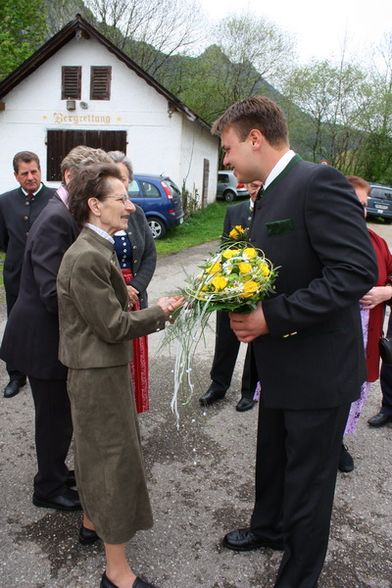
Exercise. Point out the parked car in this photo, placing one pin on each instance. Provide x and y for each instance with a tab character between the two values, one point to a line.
229	188
161	201
380	202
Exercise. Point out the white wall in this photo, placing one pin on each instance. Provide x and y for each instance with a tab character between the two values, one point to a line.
156	142
198	144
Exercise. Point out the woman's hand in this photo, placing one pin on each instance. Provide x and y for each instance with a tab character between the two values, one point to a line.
376	295
133	296
169	304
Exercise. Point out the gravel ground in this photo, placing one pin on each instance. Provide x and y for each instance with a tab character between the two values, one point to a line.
201	481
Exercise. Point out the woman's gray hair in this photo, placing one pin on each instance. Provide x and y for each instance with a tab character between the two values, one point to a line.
120	157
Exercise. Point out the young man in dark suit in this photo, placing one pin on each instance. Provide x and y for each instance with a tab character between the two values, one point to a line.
226	343
19	208
306	338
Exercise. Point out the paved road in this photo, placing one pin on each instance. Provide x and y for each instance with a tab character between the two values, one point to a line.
201	483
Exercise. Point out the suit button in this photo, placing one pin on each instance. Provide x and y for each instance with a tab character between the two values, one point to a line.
25	218
27	203
135	260
134	247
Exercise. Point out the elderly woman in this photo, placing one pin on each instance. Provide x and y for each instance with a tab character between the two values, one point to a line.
136	253
95	327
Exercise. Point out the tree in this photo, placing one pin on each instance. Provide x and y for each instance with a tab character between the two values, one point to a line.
333	98
257	51
22	30
150	31
375	158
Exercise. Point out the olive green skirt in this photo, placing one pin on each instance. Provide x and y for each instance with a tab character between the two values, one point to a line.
108	458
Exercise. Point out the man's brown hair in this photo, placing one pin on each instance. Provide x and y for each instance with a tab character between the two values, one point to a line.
256	112
26	157
358	182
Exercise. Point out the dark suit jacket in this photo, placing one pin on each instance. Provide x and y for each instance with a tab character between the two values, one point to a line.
239	214
310	223
144	253
17	214
31	337
95	323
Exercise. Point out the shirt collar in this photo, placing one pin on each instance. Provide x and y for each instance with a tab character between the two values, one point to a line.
33	193
100	232
62	193
279	167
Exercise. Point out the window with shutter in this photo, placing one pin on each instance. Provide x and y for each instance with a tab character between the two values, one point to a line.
100	82
71	82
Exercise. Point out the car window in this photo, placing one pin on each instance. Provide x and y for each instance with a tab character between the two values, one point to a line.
150	191
223	179
133	190
175	189
381	193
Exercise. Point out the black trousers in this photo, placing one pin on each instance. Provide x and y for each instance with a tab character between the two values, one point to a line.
13	373
225	357
53	434
296	468
386	379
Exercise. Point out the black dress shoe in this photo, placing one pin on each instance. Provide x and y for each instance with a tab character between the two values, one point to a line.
138	583
13	387
246	540
346	462
87	536
71	480
380	419
212	395
69	500
244	404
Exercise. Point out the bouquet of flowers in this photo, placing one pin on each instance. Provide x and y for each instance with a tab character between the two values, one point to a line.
235	278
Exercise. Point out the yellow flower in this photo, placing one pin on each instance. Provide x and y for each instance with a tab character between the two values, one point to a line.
229	253
237	231
250	253
244	267
219	283
265	270
249	289
214	269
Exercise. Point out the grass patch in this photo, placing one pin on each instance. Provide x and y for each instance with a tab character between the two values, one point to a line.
204	225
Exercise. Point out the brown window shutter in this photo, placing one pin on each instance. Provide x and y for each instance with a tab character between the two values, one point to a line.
71	82
100	82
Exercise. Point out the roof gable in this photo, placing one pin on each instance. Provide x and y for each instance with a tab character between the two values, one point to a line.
79	27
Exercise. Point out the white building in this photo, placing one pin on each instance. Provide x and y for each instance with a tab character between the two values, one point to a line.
78	88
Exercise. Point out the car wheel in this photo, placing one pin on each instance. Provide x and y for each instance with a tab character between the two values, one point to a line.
157	228
229	196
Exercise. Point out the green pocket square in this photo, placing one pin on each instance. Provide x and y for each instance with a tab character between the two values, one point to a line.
280	227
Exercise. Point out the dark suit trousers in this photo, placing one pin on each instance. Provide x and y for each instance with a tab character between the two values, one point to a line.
296	467
225	356
53	434
386	379
13	373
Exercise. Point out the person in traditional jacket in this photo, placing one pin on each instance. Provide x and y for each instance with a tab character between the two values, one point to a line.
19	208
372	316
137	256
95	329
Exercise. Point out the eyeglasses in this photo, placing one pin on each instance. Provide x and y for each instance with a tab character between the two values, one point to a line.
124	199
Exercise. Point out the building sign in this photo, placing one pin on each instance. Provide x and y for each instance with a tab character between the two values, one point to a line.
75	119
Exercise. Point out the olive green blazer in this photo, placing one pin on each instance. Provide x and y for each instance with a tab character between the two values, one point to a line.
95	324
